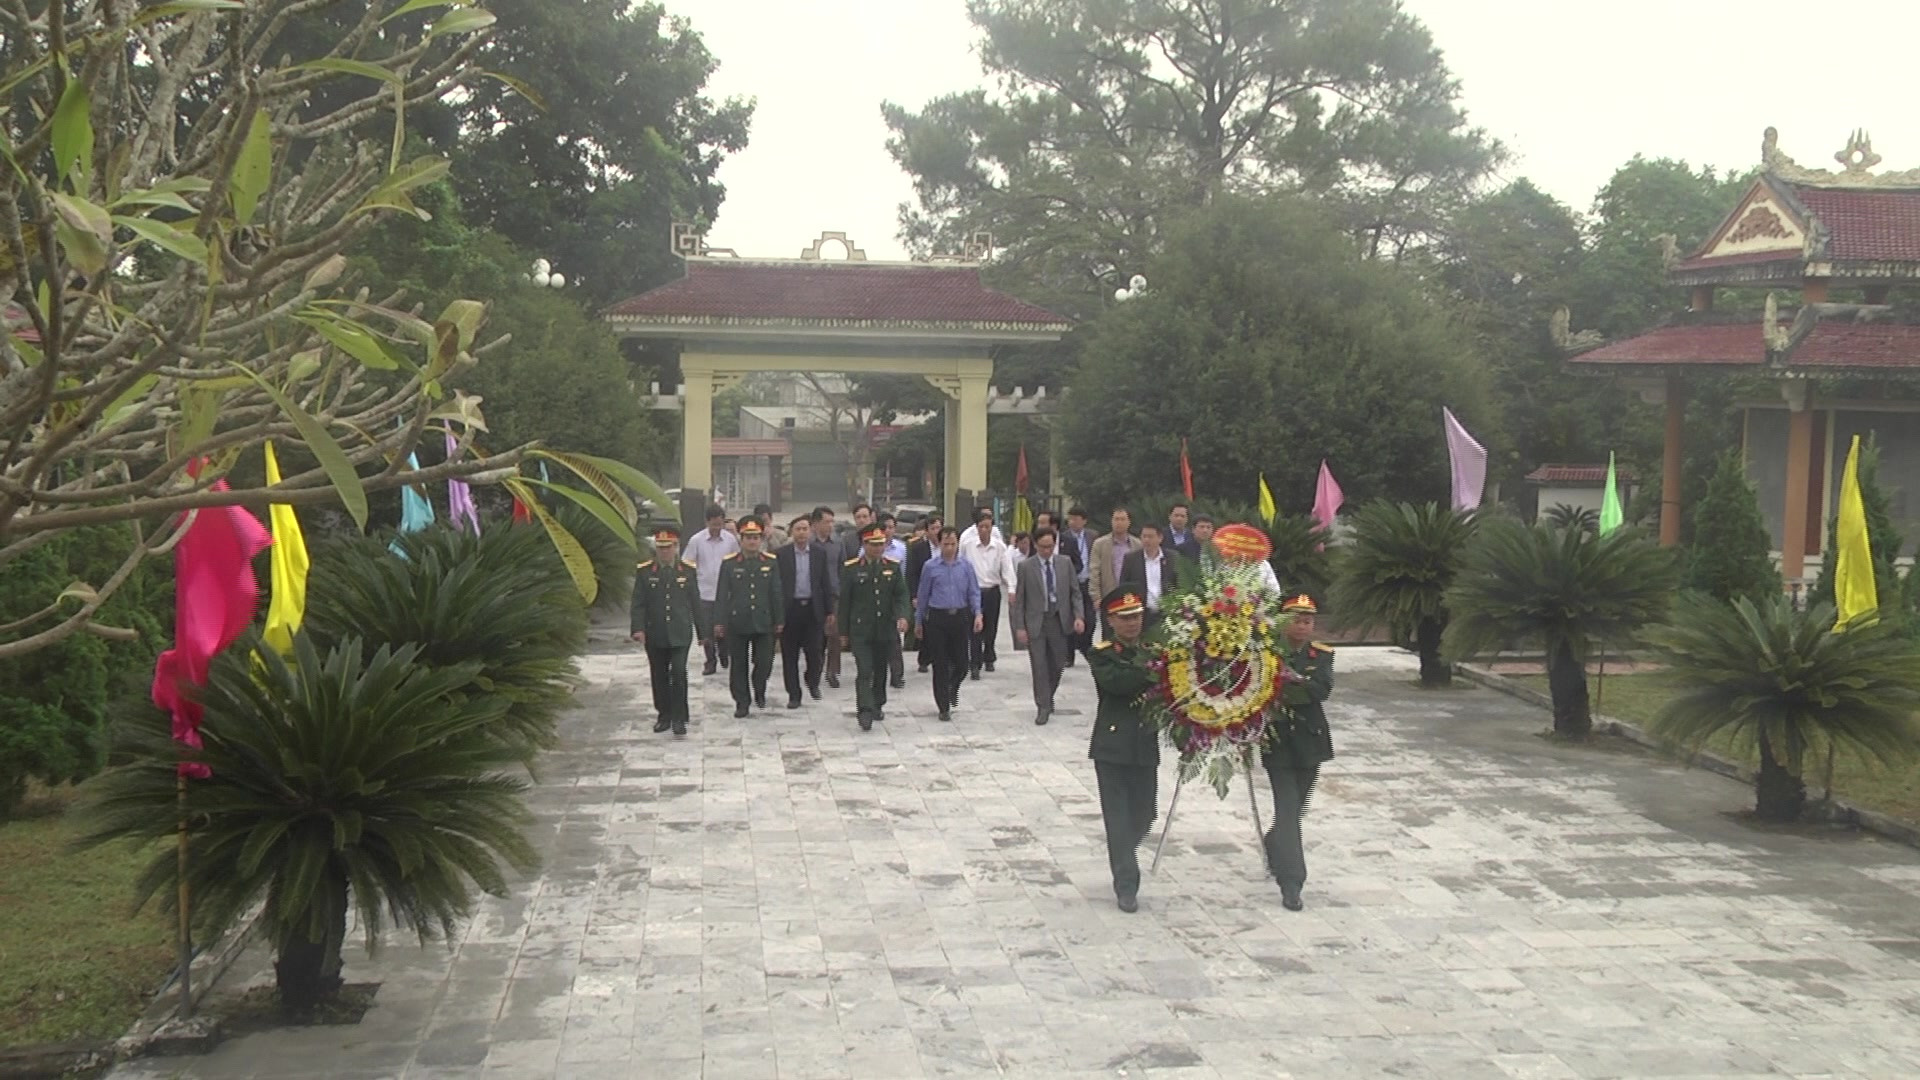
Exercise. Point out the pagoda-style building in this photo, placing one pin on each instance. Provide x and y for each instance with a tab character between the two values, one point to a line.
1847	242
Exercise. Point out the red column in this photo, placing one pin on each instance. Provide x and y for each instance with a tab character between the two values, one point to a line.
1670	480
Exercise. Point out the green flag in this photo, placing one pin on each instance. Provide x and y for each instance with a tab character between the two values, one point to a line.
1610	514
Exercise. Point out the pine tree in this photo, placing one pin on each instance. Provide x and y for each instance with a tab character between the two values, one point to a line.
1882	538
1731	554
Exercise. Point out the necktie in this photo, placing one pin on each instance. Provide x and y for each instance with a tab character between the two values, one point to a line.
1046	571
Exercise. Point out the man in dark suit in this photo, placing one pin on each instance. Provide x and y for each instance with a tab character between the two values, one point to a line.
806	580
919	551
1151	570
1199	538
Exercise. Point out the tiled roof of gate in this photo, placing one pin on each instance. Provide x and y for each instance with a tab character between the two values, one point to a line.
720	290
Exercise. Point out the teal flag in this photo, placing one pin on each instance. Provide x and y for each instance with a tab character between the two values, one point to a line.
1610	513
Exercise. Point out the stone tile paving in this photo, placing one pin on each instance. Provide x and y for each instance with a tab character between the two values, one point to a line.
784	897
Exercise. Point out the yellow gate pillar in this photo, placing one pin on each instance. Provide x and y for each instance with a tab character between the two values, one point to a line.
696	431
971	449
950	465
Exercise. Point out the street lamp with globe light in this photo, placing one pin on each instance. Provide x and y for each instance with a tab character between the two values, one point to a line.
545	276
1135	286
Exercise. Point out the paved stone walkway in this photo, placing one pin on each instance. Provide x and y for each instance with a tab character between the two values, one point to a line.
784	897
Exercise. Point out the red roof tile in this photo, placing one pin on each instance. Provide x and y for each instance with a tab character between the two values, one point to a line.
1714	343
725	289
1577	474
1869	226
1867	345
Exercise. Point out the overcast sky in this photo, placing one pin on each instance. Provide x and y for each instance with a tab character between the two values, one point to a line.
1574	89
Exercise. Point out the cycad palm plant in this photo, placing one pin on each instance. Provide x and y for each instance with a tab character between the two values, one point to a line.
1569	590
501	601
1781	683
335	782
1566	516
1393	572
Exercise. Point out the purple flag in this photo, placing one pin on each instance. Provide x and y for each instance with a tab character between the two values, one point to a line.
1469	463
460	496
1327	497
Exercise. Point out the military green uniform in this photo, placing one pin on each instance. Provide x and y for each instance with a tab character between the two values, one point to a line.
873	599
666	608
1126	756
1298	743
747	604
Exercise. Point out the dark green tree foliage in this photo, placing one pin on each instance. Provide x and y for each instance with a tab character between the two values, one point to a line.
56	703
1882	538
560	378
1645	206
1270	344
1113	115
624	141
1777	680
1567	590
1731	554
339	780
501	600
1562	516
1395	572
1514	257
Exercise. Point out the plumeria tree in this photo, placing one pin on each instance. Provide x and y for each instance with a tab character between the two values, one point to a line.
182	180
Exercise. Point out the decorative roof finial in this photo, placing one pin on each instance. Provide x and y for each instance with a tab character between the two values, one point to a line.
1857	160
1857	157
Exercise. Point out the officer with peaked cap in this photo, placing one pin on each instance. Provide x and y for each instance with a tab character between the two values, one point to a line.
747	616
1126	746
1299	743
873	615
667	620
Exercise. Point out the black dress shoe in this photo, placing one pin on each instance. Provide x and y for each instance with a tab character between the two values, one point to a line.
975	675
760	699
898	684
793	701
1129	904
708	670
866	721
924	668
679	727
739	712
814	691
1290	899
1040	718
661	724
946	716
833	681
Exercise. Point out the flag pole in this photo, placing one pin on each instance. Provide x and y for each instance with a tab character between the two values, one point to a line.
1180	780
185	931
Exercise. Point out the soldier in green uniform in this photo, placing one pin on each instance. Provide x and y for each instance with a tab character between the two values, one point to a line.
746	616
873	615
667	621
1299	742
1126	745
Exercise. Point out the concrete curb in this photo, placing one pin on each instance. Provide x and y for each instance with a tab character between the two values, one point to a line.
1839	811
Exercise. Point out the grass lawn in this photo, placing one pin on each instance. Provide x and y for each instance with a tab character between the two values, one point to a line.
75	963
1636	698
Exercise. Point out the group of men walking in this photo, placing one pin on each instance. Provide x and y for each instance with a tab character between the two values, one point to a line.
817	595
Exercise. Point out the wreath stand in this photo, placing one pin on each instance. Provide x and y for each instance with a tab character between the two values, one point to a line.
1253	802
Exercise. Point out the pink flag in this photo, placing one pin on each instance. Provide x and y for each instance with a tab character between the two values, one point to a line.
1469	464
214	596
1327	497
460	496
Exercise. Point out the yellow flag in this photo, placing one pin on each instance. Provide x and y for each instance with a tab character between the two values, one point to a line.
1267	508
289	568
1853	587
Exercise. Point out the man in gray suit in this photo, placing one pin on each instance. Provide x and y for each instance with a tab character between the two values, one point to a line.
1047	615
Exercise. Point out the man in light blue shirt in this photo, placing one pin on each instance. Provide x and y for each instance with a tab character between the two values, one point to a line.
896	551
948	615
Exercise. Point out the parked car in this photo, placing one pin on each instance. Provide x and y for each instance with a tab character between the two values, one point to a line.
906	514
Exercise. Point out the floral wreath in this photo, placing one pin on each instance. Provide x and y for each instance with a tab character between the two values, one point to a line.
1218	660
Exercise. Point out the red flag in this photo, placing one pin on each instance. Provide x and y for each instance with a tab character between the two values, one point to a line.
1186	471
521	515
214	599
1020	474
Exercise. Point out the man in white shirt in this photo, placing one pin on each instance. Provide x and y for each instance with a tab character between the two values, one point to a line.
992	563
896	550
705	551
1152	569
